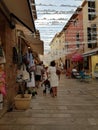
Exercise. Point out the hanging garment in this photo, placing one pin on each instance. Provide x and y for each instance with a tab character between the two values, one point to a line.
1	52
32	82
31	66
19	58
15	56
25	59
31	60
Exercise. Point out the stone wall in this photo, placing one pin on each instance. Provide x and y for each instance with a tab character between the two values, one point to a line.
8	39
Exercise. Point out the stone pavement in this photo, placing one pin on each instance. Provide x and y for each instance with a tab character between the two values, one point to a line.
75	108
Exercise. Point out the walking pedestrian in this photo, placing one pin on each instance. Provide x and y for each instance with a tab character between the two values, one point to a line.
31	70
38	74
54	81
45	82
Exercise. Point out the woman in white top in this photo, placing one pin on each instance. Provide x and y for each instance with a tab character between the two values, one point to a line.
53	78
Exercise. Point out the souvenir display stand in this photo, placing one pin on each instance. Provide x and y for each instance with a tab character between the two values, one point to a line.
2	86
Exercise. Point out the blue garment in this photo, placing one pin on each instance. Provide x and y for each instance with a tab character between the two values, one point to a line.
30	59
82	74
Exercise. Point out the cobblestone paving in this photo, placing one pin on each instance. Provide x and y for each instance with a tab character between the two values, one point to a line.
75	108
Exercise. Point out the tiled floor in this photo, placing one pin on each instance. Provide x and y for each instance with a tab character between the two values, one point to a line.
75	108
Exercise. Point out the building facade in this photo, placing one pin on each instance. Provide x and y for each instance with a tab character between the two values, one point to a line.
11	39
90	28
74	37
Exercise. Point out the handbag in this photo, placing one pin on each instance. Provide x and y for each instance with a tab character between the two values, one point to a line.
19	76
32	68
58	72
25	74
22	75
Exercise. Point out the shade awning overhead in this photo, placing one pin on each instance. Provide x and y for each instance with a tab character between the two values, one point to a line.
77	58
36	45
90	53
21	11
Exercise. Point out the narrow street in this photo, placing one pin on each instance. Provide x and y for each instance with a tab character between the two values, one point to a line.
75	108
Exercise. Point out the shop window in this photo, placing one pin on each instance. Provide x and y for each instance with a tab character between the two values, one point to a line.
86	62
77	40
68	63
92	35
91	10
75	22
89	37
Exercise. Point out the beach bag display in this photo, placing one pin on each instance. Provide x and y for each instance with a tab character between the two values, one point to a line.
19	76
25	74
22	74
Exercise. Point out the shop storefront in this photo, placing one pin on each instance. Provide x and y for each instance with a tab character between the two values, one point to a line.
94	60
90	60
11	45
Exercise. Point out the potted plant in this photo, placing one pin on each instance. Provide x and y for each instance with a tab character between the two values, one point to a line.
22	100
